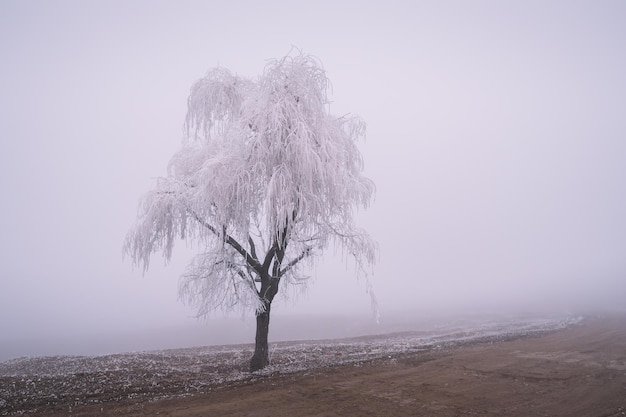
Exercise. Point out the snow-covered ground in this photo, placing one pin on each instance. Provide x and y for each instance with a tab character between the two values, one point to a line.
28	384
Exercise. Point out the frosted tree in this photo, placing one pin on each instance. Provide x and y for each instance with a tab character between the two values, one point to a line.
265	181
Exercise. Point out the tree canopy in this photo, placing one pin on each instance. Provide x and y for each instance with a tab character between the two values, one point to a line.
266	179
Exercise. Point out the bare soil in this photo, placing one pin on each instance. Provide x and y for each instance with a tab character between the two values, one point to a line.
576	371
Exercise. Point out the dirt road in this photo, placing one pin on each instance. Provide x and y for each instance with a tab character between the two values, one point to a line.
579	371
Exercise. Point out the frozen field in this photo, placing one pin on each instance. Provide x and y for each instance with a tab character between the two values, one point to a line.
50	383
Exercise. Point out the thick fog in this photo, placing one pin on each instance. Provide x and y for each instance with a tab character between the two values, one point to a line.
496	139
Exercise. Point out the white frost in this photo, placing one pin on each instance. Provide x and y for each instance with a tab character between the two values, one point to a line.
266	178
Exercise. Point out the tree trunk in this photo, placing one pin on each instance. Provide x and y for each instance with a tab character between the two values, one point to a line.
260	359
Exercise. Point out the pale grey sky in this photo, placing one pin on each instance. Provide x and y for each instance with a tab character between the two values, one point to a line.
496	138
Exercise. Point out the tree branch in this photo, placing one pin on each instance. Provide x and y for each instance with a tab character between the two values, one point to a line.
294	262
269	256
252	247
247	279
237	269
251	260
279	247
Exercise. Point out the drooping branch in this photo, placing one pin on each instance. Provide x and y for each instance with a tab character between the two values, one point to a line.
212	283
247	279
251	260
294	262
236	268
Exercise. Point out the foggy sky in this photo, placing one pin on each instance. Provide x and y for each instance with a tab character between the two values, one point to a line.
496	139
